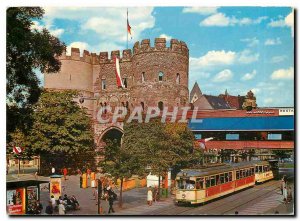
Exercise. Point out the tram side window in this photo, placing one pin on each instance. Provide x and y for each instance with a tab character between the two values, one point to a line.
213	180
247	172
218	179
260	169
237	175
243	171
226	177
222	178
252	171
266	168
230	176
256	169
207	182
199	183
241	174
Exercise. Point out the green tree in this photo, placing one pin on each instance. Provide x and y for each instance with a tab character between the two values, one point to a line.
118	163
61	132
27	51
160	146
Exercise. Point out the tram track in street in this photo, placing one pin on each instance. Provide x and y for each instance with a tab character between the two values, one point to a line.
224	204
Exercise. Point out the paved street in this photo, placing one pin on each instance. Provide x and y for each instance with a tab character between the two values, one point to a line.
261	199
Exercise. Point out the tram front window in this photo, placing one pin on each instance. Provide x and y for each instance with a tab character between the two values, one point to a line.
186	184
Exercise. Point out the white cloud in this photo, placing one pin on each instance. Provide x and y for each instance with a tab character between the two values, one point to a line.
221	20
273	41
167	37
39	27
109	23
36	26
251	41
213	58
255	91
78	44
249	76
218	19
224	75
246	56
200	10
268	101
283	74
288	21
277	59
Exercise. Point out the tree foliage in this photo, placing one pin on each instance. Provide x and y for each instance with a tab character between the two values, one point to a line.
160	146
61	132
28	51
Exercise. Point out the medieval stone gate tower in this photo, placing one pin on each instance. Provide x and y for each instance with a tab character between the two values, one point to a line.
153	76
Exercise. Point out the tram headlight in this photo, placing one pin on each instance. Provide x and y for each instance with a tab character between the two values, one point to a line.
183	195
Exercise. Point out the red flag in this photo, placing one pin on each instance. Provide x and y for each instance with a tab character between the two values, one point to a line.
17	150
118	73
202	142
128	27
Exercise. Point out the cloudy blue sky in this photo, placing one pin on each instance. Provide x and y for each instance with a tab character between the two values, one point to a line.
233	48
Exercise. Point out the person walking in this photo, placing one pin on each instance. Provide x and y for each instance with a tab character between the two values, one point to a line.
53	201
289	195
149	197
39	207
61	209
155	194
111	203
49	208
282	185
285	193
65	172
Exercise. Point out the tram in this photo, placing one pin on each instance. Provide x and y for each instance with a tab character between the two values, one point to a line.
206	183
263	171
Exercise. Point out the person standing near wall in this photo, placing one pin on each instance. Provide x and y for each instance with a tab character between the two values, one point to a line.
149	197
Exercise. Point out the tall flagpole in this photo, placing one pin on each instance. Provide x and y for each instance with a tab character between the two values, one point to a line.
127	30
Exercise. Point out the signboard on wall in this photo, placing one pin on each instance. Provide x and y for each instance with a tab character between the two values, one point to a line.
286	111
15	201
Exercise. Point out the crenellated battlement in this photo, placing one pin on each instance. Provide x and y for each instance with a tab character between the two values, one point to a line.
139	47
160	45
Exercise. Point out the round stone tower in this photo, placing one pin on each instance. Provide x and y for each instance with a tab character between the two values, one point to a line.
160	74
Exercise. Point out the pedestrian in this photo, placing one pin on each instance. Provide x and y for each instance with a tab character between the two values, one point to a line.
285	193
289	195
155	193
53	201
111	203
149	197
49	208
79	172
80	181
282	185
88	171
61	209
65	172
38	207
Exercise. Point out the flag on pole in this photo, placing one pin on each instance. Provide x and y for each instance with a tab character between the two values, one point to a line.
118	73
128	27
17	150
202	142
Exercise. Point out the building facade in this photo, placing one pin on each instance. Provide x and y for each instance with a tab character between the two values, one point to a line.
152	76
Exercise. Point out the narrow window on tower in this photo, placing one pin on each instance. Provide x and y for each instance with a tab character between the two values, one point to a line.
160	105
143	105
177	78
160	76
125	82
103	84
143	77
